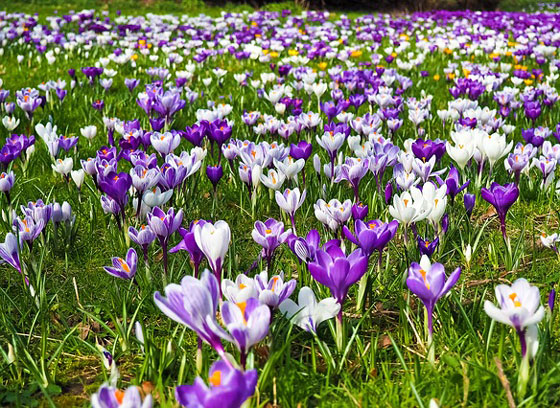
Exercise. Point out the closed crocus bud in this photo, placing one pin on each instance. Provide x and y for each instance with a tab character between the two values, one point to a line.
78	177
388	192
551	300
256	172
214	174
56	213
445	223
66	211
280	108
467	252
469	200
317	163
89	132
359	211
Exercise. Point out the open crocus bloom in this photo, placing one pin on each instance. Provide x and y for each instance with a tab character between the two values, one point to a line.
124	268
229	387
110	397
429	283
519	305
308	313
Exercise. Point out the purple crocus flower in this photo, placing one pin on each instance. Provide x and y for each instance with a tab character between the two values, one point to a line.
353	170
110	397
301	151
425	149
214	174
28	228
7	181
502	198
426	247
194	303
429	283
9	252
98	104
551	300
274	291
164	225
305	248
371	236
229	387
116	186
189	244
453	183
469	201
337	271
143	237
131	83
247	322
124	268
269	234
359	211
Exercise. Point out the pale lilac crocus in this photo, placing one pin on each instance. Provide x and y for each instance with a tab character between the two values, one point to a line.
194	303
519	307
123	268
269	234
247	322
289	202
111	397
274	291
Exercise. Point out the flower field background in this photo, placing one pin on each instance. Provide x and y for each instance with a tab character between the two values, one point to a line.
207	206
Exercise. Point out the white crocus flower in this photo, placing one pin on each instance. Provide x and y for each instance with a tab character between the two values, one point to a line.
63	167
10	123
308	313
437	199
89	132
273	180
410	207
494	147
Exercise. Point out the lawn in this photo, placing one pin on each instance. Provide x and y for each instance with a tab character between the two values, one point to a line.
417	114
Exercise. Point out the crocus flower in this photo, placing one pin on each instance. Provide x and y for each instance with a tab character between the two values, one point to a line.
123	268
213	240
308	313
7	182
269	234
305	248
111	397
502	198
116	186
290	201
551	300
274	291
194	303
143	237
247	322
9	251
519	307
241	290
214	174
429	283
164	225
371	236
165	143
189	244
337	271
410	207
359	211
229	387
469	201
426	247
